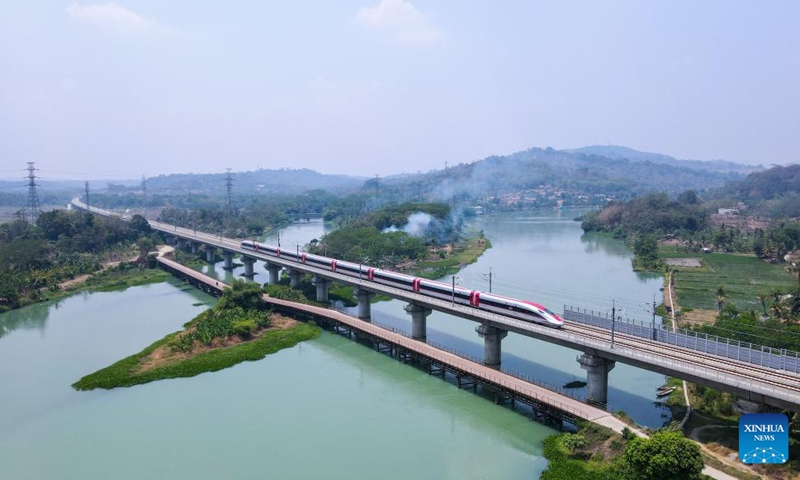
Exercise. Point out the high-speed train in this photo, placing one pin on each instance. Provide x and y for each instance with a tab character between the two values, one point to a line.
511	307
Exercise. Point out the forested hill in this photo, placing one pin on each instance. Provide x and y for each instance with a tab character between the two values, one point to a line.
620	152
774	192
568	170
282	181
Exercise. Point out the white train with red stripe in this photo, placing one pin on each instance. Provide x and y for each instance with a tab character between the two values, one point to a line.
511	307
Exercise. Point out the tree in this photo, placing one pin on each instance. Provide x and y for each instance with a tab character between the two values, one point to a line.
140	224
720	297
665	456
762	297
145	246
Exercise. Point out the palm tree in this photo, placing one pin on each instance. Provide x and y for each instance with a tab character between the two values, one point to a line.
776	294
779	310
720	297
762	297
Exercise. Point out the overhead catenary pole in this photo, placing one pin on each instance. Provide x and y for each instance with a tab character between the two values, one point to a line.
613	320
654	317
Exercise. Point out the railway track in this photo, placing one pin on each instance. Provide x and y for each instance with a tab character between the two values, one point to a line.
777	378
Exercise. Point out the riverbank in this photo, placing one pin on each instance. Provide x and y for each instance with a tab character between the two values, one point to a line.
451	259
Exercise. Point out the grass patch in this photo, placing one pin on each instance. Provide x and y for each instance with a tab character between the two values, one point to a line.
124	372
744	276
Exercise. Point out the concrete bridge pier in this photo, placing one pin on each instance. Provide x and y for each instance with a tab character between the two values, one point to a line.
211	253
492	338
181	243
744	405
597	369
364	306
228	256
274	272
295	276
322	285
248	266
419	317
195	247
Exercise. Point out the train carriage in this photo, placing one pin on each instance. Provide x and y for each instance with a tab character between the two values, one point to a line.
520	309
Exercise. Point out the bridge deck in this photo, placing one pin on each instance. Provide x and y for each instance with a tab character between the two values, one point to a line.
485	374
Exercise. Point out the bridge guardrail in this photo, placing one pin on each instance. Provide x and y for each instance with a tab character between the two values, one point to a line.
779	359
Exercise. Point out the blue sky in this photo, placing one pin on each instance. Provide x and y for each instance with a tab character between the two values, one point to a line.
388	86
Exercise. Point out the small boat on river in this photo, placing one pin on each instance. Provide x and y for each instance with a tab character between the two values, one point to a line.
664	391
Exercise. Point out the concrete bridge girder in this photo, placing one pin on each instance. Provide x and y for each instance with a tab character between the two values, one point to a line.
364	303
419	317
597	369
492	338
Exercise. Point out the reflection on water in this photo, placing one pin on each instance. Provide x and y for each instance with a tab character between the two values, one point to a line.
601	244
30	317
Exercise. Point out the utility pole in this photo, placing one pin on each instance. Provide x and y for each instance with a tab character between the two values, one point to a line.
454	289
377	185
144	190
33	198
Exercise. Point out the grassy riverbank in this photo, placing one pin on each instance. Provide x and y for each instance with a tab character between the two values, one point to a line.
119	277
462	254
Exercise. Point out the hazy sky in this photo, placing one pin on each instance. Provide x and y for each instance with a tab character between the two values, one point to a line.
386	86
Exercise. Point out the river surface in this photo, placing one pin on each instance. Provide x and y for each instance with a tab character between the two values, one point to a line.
327	408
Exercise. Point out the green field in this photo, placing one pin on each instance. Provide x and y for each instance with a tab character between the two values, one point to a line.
744	277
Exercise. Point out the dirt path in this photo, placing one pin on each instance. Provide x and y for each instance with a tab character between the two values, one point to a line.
72	282
695	435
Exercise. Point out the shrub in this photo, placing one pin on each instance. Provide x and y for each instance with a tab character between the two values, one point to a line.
244	328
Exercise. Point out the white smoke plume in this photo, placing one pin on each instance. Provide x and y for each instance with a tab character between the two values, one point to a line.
416	226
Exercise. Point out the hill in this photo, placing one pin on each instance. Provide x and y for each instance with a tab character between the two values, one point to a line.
774	192
546	174
282	181
620	152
